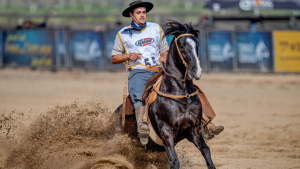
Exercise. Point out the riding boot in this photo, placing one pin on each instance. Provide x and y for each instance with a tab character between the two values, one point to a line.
213	129
142	127
210	130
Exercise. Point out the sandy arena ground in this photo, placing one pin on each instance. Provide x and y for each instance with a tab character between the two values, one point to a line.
260	112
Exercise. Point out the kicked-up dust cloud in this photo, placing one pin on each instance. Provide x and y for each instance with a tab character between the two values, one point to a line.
81	135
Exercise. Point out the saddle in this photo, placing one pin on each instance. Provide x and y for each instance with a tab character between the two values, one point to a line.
154	80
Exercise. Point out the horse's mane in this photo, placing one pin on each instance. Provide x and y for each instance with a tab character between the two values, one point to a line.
176	28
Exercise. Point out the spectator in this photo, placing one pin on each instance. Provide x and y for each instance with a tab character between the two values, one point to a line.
30	25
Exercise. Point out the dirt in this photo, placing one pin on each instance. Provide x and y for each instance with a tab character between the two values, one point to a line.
61	120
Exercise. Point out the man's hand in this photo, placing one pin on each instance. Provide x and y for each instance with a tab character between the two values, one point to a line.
116	59
134	56
163	57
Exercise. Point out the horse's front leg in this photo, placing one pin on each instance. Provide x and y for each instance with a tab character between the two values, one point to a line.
168	139
196	137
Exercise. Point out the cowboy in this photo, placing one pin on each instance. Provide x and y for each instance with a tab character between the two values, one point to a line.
145	47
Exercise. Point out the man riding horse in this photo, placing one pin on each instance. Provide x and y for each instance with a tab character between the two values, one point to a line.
145	47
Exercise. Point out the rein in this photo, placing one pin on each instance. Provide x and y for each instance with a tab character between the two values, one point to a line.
174	96
178	79
183	61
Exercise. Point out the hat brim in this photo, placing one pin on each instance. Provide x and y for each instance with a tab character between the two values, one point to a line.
147	5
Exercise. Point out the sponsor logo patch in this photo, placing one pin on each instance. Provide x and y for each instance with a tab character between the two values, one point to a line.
144	42
251	4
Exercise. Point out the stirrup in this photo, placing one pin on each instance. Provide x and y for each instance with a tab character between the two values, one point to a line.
144	132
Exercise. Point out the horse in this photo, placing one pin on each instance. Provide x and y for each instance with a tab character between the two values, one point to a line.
175	119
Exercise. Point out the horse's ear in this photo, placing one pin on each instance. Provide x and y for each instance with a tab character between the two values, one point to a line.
193	31
196	33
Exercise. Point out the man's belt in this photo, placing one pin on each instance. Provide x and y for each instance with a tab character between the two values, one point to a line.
156	69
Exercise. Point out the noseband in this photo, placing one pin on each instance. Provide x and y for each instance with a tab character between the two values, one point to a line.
183	61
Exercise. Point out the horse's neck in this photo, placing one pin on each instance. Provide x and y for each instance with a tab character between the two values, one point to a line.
171	67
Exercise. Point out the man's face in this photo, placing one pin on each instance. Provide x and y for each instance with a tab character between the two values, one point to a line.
140	14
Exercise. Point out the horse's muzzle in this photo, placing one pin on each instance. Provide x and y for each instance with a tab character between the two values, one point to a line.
194	76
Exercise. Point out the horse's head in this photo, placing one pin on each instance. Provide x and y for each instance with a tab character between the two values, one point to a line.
187	46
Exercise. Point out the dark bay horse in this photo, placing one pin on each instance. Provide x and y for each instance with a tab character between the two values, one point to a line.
175	119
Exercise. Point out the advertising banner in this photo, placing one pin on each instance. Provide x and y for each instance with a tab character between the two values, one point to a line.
1	51
287	51
86	49
110	37
254	51
220	50
248	5
29	48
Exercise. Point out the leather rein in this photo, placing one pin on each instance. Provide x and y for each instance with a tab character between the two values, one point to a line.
178	79
183	61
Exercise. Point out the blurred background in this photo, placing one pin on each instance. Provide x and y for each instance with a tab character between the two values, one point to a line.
249	51
236	35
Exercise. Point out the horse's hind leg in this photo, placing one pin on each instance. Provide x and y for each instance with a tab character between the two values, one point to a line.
168	139
196	137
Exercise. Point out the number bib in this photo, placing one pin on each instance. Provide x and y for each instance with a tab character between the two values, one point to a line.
145	42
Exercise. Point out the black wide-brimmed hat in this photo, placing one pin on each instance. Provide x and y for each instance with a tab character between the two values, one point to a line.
136	4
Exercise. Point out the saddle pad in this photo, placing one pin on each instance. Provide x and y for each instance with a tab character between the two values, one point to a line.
151	81
129	109
153	94
206	107
153	135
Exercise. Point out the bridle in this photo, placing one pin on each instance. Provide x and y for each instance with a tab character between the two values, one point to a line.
183	61
178	79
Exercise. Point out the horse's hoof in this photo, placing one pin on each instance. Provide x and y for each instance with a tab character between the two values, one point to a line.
144	140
